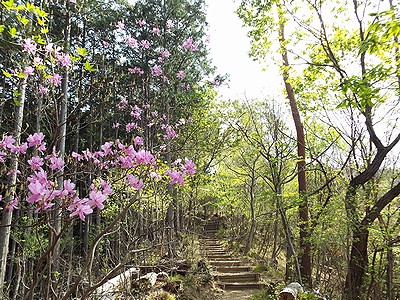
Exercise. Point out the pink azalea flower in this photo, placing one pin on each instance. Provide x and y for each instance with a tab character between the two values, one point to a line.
189	167
21	149
165	79
136	70
107	148
43	90
3	154
120	25
38	61
12	205
170	24
49	47
144	157
134	182
77	156
69	187
130	126
125	162
154	114
156	30
181	74
107	190
7	142
55	79
81	210
155	176
138	141
35	163
141	22
170	132
176	177
96	199
29	70
64	60
37	189
56	163
156	71
145	44
131	41
13	172
165	53
188	43
35	140
29	46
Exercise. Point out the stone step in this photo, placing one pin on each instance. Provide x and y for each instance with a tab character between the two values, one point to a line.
218	255
238	277
210	242
217	243
233	269
213	247
225	262
240	285
221	253
228	258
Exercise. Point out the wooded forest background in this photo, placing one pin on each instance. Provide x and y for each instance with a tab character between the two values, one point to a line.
106	106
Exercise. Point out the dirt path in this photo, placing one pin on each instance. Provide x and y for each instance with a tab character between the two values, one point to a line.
237	295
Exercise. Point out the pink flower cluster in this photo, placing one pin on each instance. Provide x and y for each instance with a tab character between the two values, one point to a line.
43	191
177	176
189	45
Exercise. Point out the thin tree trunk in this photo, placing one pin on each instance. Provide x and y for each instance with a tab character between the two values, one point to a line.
5	228
305	246
253	217
62	139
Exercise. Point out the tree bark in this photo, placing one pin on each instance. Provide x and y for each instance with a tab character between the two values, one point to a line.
305	246
5	228
62	134
253	216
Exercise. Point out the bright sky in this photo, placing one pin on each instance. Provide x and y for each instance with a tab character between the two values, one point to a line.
229	52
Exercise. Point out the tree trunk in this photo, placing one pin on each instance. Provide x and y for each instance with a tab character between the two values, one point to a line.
253	216
359	255
357	265
5	228
389	273
62	134
305	246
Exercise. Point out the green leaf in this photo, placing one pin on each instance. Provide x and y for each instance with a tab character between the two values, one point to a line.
39	40
21	75
82	51
13	32
23	20
6	73
44	30
41	13
30	7
41	21
17	102
9	4
89	67
2	27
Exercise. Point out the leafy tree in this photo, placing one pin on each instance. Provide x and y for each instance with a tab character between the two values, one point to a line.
344	73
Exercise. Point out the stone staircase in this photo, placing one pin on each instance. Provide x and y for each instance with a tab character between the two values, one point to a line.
229	273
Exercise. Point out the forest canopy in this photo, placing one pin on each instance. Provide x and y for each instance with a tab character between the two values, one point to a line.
115	150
